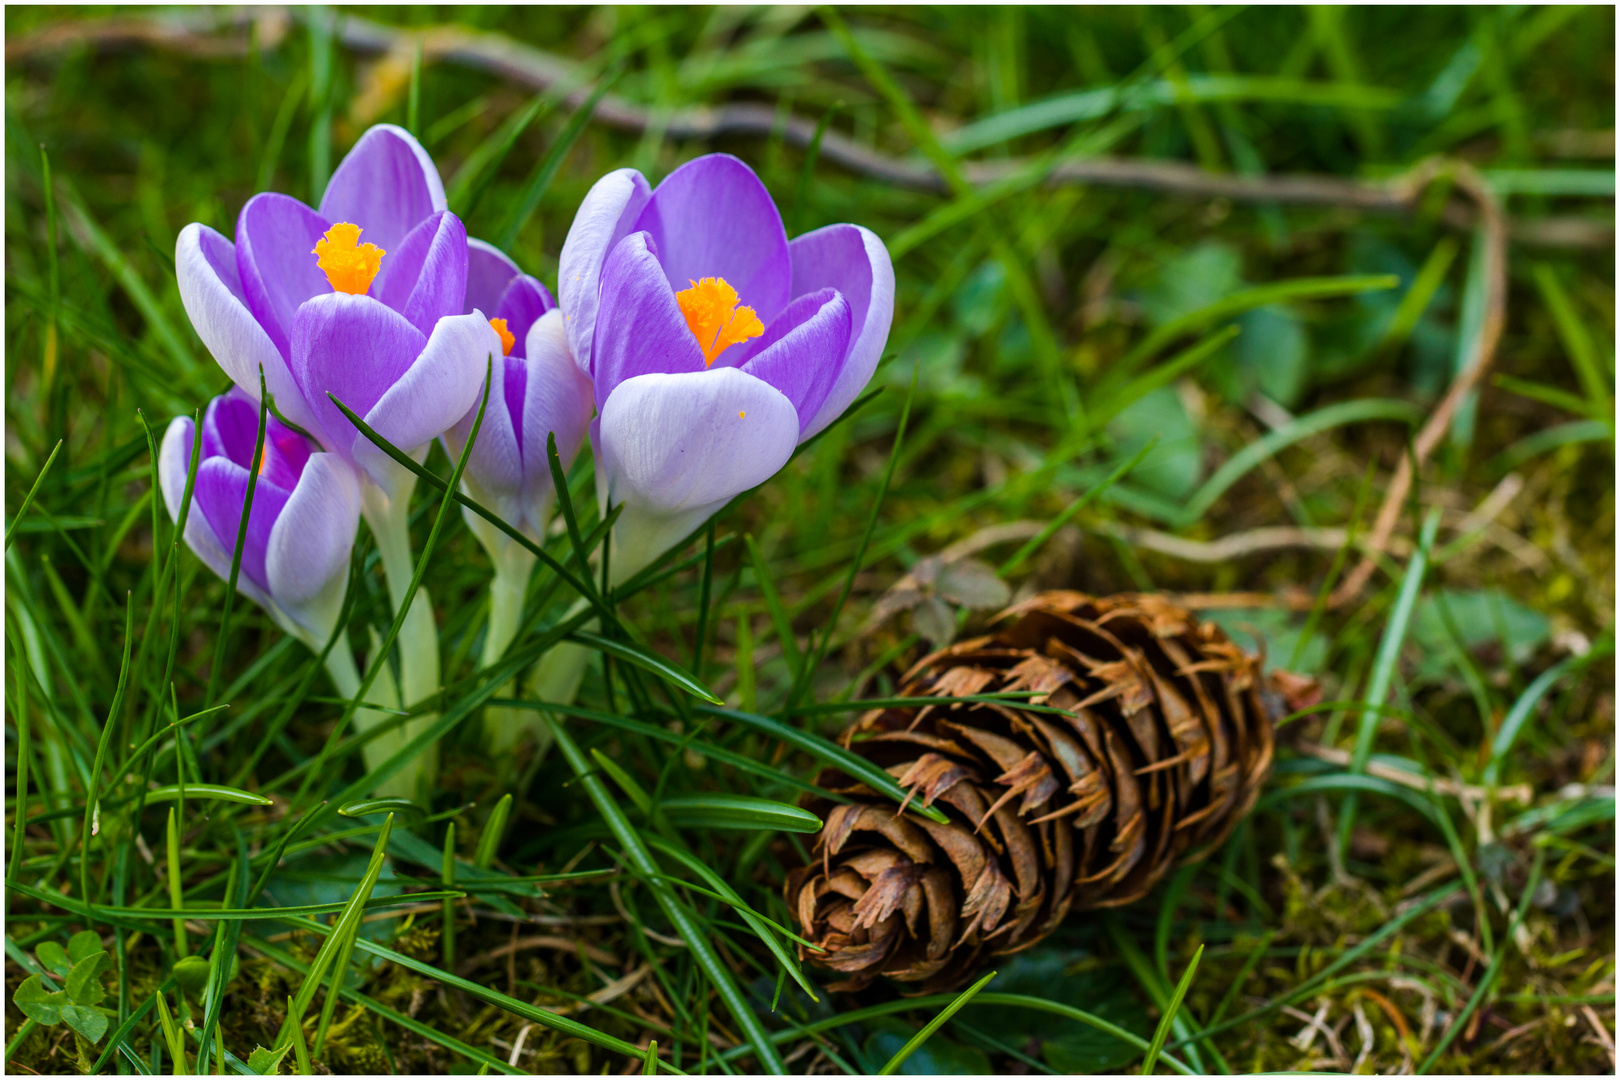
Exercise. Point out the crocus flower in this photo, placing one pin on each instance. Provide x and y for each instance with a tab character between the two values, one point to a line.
306	507
363	298
714	344
539	391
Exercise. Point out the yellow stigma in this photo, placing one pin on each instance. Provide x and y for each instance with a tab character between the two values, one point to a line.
712	314
508	339
349	264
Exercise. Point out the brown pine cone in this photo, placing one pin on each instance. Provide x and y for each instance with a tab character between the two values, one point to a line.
1147	739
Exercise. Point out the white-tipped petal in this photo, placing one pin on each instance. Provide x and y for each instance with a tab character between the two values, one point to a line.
676	448
603	220
211	292
307	560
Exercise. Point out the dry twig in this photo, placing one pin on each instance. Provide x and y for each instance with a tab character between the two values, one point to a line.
536	69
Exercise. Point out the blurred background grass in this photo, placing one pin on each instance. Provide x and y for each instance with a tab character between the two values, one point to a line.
1130	184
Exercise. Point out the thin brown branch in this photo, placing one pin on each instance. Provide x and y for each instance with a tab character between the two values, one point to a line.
1494	237
200	34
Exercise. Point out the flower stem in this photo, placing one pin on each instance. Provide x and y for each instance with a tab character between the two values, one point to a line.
388	515
504	727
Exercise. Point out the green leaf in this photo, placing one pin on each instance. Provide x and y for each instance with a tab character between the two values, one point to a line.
267	1062
86	1020
40	1004
82	944
738	812
54	957
84	981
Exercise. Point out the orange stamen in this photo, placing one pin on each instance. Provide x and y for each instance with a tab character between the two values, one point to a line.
349	264
715	319
508	339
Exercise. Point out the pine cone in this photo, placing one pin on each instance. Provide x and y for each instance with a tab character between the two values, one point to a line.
1155	736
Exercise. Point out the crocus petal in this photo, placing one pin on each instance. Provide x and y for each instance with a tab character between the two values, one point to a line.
524	301
425	278
675	448
855	262
386	185
602	221
354	347
494	473
275	241
215	302
220	491
231	427
307	555
438	388
174	459
556	399
802	353
713	218
489	272
640	328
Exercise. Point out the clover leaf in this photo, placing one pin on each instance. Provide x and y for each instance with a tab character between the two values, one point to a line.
38	1003
54	958
82	944
84	981
87	1020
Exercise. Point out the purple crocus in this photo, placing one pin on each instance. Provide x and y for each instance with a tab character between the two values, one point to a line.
363	298
306	508
714	344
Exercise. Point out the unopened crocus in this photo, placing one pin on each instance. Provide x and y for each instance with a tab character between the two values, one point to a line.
362	298
539	391
306	507
714	344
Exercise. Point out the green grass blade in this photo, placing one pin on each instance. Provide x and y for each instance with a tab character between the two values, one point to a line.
828	753
634	654
489	841
893	1064
714	811
1031	546
343	933
540	181
1303	427
1383	673
1163	1030
1514	721
1577	342
241	542
28	500
92	807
